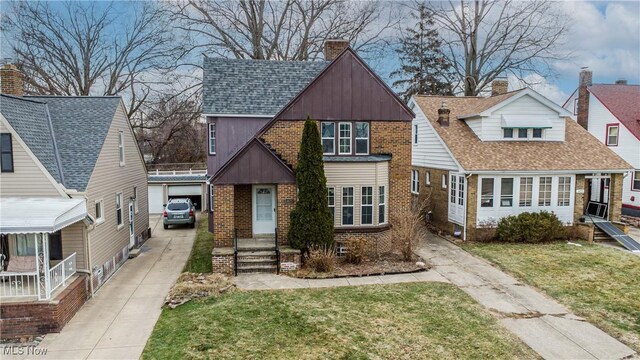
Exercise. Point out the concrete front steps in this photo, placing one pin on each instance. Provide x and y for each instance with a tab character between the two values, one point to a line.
257	259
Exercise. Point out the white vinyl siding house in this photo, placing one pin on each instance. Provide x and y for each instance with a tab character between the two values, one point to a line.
430	151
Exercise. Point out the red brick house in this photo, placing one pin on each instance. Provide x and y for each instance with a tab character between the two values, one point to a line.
255	110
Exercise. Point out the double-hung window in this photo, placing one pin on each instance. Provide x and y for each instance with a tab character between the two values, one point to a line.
506	192
347	206
99	211
612	135
486	194
636	181
121	147
564	191
526	191
6	147
331	201
381	205
212	139
328	132
415	184
544	191
366	206
362	138
344	147
119	210
135	199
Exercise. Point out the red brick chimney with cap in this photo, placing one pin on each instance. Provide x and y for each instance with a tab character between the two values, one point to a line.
499	86
11	82
443	115
585	80
333	48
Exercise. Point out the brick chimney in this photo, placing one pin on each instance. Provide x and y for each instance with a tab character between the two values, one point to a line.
585	80
333	48
499	86
443	115
11	82
621	82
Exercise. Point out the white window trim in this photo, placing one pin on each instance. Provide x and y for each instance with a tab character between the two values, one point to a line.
415	182
211	197
121	152
100	220
427	177
333	139
212	131
348	138
135	199
363	205
352	206
568	191
355	149
609	127
384	203
119	195
515	136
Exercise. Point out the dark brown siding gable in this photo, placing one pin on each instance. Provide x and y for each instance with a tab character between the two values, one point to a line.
347	90
255	164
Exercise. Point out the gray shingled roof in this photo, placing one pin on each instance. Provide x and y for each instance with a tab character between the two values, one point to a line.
29	119
254	87
80	125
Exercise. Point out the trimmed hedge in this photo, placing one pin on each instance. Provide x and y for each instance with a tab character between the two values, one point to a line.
530	227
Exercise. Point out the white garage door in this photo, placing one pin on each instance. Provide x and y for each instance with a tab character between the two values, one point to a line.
155	199
185	190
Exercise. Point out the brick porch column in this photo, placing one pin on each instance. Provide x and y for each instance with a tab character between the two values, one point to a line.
223	215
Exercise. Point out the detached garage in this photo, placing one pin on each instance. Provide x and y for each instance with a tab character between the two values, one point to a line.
168	185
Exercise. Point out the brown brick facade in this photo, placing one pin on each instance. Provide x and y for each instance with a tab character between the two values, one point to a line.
11	81
284	137
286	201
438	203
615	197
222	263
32	318
223	215
243	211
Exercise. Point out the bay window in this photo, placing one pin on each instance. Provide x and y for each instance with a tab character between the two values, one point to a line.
328	131
381	205
344	147
362	138
331	201
366	205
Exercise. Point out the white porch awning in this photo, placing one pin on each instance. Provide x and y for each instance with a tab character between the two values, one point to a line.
37	215
524	122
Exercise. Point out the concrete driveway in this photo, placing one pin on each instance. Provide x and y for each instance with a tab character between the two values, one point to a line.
118	320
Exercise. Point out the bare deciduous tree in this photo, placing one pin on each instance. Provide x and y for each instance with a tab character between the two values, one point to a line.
91	48
280	29
485	39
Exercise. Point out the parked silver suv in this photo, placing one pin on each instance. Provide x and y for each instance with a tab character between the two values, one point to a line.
178	212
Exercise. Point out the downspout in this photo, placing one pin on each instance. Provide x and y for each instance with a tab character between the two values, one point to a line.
88	259
466	206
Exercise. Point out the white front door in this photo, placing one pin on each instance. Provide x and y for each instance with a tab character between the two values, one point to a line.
456	198
264	209
132	239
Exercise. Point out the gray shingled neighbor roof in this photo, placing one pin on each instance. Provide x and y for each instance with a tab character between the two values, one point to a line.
80	125
254	87
29	119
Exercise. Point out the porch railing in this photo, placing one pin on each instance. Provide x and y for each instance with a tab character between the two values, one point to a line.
235	252
18	284
59	274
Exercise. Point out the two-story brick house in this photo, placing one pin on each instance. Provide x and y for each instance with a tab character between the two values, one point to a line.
255	111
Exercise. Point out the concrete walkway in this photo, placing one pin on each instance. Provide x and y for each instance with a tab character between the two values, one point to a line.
118	320
280	282
541	322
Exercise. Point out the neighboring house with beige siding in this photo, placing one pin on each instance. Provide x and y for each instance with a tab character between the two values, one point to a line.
484	158
73	197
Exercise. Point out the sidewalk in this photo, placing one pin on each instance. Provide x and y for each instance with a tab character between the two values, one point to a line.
542	323
118	320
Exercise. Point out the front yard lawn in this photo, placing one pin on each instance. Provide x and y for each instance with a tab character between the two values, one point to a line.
598	283
400	321
200	258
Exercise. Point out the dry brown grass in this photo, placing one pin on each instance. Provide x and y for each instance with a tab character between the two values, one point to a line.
193	285
321	259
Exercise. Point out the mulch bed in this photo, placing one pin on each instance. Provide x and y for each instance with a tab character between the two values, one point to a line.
393	264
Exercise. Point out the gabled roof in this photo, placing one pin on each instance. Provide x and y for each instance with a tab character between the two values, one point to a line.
623	101
64	132
30	120
580	151
253	87
493	103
